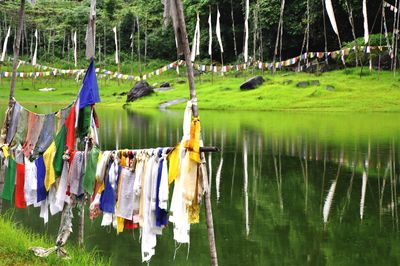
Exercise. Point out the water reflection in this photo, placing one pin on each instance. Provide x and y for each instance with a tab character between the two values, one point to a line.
286	188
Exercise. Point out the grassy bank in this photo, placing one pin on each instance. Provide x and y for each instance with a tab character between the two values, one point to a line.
340	90
15	242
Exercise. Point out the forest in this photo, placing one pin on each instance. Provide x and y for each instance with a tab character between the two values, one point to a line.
142	33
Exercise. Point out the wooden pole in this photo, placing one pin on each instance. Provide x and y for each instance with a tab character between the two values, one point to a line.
16	50
185	47
14	74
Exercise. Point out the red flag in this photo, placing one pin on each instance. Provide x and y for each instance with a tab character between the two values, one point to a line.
19	187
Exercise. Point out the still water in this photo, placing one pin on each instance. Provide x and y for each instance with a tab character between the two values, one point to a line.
276	179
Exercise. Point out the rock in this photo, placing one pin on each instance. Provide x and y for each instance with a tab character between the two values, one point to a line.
163	106
303	84
252	83
165	85
288	82
181	81
330	88
314	82
141	89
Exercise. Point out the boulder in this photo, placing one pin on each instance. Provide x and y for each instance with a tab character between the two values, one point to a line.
303	84
330	88
287	82
314	82
141	89
252	83
165	85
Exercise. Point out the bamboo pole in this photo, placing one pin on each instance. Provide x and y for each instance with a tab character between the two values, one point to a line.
185	45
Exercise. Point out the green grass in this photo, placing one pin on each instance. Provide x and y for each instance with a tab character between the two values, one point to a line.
15	242
375	91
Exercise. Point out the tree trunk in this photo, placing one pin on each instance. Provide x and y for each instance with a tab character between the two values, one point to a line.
138	48
233	30
16	49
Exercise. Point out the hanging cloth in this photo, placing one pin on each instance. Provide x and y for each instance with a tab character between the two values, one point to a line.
90	171
34	58
12	127
365	14
246	30
19	186
3	55
75	49
9	181
196	40
60	141
210	35
116	45
30	186
331	15
46	135
35	124
218	31
41	174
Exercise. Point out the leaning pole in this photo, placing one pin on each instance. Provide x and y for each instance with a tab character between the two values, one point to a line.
183	39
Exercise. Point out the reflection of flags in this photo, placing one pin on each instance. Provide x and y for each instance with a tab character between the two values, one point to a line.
331	15
116	45
209	35
366	30
246	30
5	45
218	32
35	53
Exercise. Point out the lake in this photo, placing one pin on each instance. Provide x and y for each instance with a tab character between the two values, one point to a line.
270	184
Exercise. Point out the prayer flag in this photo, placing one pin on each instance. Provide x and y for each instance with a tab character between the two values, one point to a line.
116	45
5	45
218	31
196	40
365	14
331	15
246	30
209	35
75	54
89	93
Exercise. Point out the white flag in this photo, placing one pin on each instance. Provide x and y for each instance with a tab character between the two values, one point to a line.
246	30
209	35
198	35
36	45
366	31
218	32
196	40
116	45
75	49
331	15
5	45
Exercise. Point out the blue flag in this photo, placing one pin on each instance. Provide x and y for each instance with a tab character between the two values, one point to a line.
89	93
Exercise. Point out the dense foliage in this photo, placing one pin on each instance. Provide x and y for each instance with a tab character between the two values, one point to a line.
56	20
